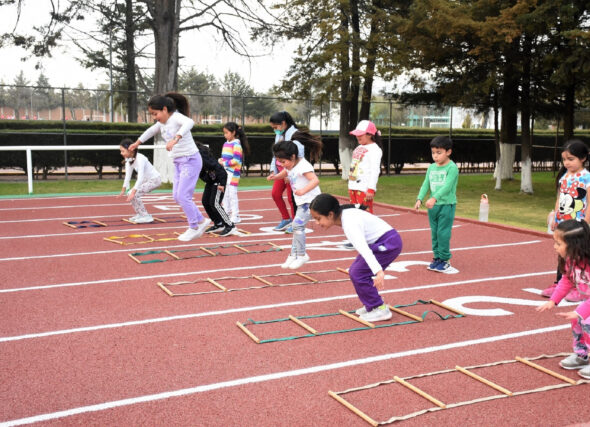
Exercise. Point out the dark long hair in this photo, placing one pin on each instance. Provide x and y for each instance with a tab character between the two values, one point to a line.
576	148
576	236
173	101
312	143
240	134
282	116
126	143
325	203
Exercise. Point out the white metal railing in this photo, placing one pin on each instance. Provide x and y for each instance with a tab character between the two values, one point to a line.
30	148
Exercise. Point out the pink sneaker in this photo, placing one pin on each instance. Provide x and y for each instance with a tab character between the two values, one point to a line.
547	292
574	296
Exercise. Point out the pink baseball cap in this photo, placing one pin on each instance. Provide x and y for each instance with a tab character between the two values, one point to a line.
364	126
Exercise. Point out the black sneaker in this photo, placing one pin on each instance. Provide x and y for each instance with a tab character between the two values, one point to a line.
228	231
214	228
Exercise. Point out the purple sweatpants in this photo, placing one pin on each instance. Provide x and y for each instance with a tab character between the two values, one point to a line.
386	249
186	173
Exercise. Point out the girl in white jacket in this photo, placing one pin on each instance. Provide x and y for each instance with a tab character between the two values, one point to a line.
148	179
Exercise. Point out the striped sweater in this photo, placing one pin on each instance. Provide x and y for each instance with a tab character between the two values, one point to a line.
231	154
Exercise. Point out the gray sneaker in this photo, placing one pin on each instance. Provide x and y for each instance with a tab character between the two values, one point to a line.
362	310
573	361
585	372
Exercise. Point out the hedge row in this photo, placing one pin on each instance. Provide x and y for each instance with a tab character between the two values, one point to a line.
473	150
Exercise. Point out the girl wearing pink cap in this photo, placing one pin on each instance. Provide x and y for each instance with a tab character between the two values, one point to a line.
365	167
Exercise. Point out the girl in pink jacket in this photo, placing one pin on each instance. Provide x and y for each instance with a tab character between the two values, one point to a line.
572	244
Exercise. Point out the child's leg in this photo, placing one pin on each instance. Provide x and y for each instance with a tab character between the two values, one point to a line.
386	249
362	279
581	332
277	195
208	201
446	216
226	201
218	208
143	189
232	196
302	217
187	170
433	221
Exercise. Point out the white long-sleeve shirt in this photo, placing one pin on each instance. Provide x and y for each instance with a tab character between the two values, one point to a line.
362	228
145	170
365	168
177	124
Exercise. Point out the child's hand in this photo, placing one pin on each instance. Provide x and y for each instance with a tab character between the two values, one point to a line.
299	192
379	280
569	315
271	177
221	187
220	161
131	195
418	204
170	144
134	145
547	306
430	203
122	193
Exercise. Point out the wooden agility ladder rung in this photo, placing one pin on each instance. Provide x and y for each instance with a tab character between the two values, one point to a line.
420	392
355	318
247	332
545	370
303	324
405	313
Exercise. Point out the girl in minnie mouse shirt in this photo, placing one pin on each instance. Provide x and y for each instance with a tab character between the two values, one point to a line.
572	198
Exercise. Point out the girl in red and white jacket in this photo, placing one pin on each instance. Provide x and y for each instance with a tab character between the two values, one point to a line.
365	167
572	244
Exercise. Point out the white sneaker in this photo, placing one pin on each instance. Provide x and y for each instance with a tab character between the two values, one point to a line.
143	219
236	220
361	310
193	233
134	218
287	263
299	261
377	314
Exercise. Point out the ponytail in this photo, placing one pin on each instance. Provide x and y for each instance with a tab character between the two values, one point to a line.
240	134
312	143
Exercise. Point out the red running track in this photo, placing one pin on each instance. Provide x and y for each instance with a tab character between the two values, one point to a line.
87	336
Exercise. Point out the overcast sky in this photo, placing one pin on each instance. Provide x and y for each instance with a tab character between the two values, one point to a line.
198	49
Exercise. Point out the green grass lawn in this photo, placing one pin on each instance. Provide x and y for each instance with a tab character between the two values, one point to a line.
507	206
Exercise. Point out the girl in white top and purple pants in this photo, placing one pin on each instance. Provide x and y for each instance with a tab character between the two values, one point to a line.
376	241
170	112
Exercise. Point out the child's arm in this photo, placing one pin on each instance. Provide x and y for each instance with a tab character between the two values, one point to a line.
554	223
127	180
281	175
149	133
313	183
374	171
423	190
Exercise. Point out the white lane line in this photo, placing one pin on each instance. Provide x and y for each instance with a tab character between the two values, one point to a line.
228	242
262	307
277	376
123	279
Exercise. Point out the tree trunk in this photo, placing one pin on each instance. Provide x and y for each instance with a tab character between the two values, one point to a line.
569	111
166	16
498	169
369	68
345	142
355	80
508	130
526	176
130	62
